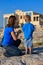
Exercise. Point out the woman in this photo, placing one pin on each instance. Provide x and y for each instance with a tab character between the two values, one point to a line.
10	38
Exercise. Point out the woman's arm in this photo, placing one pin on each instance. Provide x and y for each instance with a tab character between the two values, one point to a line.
13	35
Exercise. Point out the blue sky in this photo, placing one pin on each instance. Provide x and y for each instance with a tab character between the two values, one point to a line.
9	6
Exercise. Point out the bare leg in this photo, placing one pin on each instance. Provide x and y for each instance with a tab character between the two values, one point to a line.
30	49
26	50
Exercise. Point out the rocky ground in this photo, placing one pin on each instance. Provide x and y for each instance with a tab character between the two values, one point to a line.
35	59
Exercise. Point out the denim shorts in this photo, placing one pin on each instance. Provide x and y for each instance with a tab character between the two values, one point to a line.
28	43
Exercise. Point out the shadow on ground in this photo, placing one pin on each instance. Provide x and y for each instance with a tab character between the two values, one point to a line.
38	50
17	52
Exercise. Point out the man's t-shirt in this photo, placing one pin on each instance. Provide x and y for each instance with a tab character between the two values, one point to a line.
28	29
8	40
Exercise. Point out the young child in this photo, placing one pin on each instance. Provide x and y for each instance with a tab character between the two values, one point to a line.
28	29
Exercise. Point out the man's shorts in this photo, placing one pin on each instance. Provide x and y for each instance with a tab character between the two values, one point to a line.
28	43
